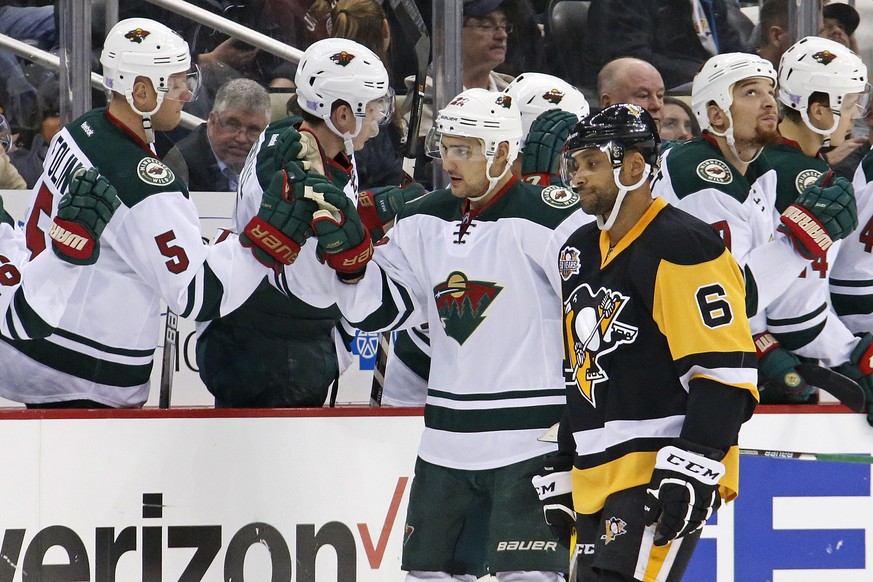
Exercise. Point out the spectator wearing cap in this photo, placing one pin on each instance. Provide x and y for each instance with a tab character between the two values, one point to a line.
839	22
484	42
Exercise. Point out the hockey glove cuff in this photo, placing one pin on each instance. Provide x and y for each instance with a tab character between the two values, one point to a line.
683	492
860	368
83	212
555	490
777	367
379	206
824	212
342	241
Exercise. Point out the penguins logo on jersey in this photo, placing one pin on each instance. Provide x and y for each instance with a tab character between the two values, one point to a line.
462	303
806	178
615	526
592	329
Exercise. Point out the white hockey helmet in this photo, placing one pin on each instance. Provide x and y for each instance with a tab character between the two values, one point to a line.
336	69
537	92
715	82
485	115
820	65
140	47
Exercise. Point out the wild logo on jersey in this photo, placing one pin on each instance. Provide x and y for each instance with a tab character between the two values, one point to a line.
462	303
592	328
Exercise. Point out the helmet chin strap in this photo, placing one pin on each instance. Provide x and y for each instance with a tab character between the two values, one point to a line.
728	134
804	114
347	137
491	181
146	115
619	198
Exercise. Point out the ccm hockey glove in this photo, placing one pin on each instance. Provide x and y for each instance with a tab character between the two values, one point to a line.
343	242
542	146
379	206
860	369
282	225
555	490
777	368
83	212
683	492
821	214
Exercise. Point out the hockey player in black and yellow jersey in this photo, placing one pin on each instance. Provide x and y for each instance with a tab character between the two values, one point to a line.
659	362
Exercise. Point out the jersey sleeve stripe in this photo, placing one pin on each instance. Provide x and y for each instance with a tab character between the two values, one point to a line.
22	322
208	286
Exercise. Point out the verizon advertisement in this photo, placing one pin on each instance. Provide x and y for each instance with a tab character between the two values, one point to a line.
137	495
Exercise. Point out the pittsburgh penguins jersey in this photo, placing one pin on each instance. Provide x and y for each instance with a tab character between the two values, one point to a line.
651	328
480	281
696	177
151	250
800	318
851	276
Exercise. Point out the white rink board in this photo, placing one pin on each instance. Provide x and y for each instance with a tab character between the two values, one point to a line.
215	209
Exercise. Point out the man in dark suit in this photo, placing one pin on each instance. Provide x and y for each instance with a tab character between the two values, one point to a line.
216	151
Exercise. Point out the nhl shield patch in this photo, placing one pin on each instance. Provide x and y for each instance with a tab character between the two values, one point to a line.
806	178
153	172
559	197
715	171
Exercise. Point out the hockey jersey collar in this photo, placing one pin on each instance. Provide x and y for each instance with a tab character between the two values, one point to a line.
126	130
497	196
607	255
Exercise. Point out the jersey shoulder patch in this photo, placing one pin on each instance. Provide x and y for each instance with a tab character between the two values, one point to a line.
698	165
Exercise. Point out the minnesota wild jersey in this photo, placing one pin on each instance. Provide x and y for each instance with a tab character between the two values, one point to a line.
656	347
696	177
801	318
481	282
851	281
151	250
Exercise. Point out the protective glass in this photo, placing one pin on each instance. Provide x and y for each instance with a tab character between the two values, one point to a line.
5	136
381	110
579	162
184	87
435	148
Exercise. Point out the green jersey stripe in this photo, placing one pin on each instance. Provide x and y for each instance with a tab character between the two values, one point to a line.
502	419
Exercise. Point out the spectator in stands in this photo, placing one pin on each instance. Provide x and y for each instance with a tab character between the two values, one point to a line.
675	36
773	33
216	151
10	179
677	121
484	44
631	80
32	144
839	22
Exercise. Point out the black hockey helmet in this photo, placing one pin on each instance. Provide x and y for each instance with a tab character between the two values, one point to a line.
615	129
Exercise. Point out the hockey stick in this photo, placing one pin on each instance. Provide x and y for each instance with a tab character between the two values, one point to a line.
168	364
410	20
844	389
829	457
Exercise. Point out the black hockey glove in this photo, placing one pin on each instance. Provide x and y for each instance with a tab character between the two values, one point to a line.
555	490
860	369
379	206
777	368
282	225
542	147
822	213
343	242
83	212
683	492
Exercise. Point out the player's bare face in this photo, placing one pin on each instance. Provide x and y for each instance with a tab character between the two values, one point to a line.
754	112
593	181
464	162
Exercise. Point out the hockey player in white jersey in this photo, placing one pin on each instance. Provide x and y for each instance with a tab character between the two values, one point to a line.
472	261
715	178
822	89
102	352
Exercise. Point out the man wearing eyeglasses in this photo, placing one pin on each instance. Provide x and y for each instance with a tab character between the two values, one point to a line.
484	43
216	151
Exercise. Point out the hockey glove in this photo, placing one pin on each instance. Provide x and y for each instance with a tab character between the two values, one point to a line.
542	147
777	368
282	225
555	490
83	212
821	214
860	369
342	241
683	492
379	206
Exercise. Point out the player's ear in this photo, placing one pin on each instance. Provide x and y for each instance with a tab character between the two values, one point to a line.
141	90
343	118
634	164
